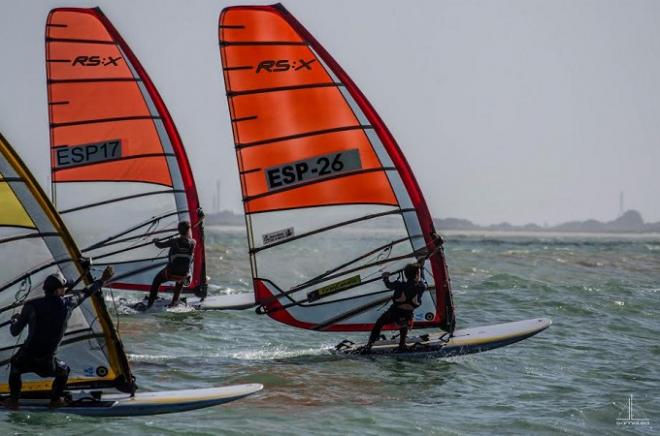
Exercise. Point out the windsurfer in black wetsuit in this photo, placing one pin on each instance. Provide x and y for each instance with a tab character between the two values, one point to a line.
47	319
407	297
179	260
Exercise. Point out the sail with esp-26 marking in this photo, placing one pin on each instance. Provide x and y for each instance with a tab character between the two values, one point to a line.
330	201
120	175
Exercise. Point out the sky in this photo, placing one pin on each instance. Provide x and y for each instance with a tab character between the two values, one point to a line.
518	111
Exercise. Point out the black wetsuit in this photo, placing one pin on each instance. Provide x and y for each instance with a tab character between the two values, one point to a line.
47	319
407	296
179	261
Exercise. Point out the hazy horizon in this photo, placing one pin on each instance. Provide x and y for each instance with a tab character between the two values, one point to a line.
511	111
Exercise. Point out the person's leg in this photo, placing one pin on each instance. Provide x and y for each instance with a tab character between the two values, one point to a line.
61	373
403	334
16	370
15	386
158	280
177	292
385	318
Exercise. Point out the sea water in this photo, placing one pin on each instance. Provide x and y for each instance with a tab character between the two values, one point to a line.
577	377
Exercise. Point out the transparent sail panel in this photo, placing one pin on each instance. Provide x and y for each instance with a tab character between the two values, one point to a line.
34	244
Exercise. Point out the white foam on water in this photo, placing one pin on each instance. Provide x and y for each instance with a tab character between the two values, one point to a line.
275	353
181	308
148	357
124	305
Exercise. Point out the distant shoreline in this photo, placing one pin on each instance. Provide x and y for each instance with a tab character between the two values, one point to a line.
552	234
629	223
500	233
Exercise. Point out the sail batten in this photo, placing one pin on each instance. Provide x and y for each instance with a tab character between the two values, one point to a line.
318	169
116	156
302	135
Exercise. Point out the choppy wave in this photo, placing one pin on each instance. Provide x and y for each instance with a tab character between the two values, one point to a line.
573	378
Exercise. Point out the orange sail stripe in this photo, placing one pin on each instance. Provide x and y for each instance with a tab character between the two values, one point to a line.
137	136
145	169
120	100
255	25
275	153
374	189
73	25
258	68
76	61
255	184
308	110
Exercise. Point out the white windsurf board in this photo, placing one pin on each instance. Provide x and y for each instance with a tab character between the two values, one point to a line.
147	403
463	341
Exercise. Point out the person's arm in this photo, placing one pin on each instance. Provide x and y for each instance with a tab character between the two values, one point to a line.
193	243
77	297
422	286
192	258
19	321
395	286
386	280
163	243
437	239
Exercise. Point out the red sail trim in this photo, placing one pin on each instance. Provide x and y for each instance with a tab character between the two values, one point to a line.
177	145
181	157
278	313
438	263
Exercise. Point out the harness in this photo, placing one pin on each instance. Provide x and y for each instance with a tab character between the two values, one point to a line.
411	297
180	256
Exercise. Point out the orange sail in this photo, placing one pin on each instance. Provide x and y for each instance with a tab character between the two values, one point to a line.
119	170
318	169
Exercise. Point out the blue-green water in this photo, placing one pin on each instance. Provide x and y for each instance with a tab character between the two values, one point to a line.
575	378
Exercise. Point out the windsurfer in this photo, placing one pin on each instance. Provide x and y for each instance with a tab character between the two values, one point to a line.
47	319
180	257
407	296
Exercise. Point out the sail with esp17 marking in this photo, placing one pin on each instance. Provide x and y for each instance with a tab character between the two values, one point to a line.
120	175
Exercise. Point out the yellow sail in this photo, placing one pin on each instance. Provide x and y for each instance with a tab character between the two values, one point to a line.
13	213
33	244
